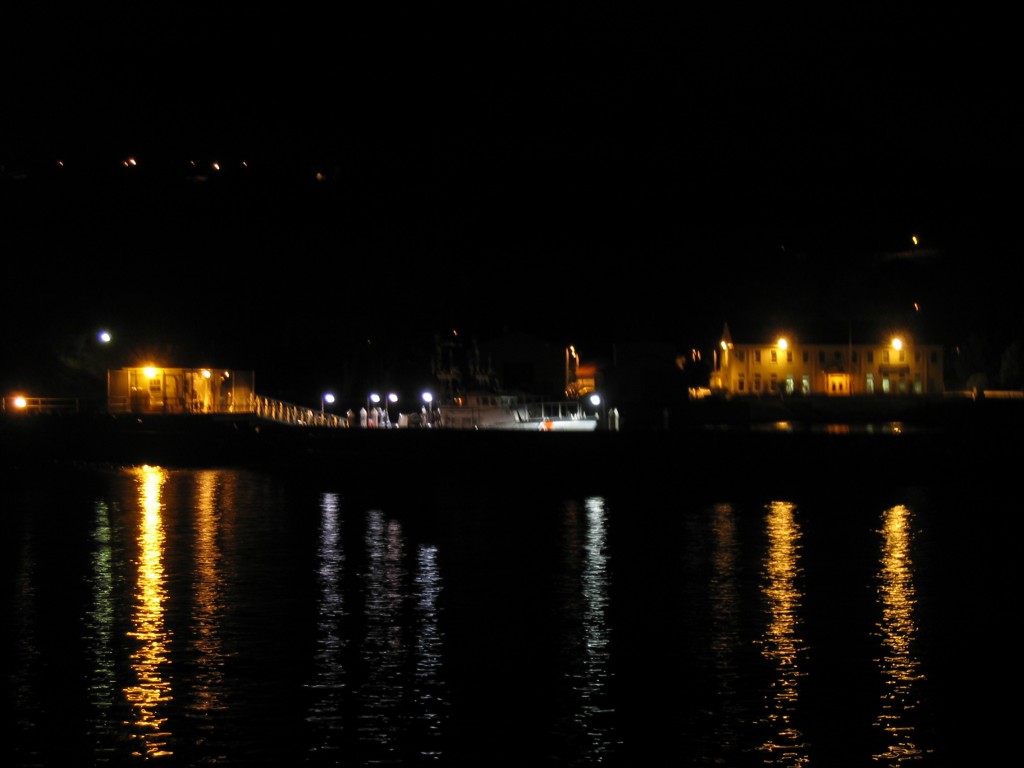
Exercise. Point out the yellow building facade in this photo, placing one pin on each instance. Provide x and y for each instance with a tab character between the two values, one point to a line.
896	366
153	389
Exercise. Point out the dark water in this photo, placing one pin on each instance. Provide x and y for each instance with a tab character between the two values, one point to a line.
224	617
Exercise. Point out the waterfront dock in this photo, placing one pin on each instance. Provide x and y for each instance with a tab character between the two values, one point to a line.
965	439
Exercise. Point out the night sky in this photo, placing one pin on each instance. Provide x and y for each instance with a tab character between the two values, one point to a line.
586	173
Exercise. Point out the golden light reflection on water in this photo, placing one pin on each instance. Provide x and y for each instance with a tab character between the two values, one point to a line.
208	593
897	629
149	696
781	643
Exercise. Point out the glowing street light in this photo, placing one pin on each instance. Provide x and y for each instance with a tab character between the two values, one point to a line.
428	400
375	399
325	398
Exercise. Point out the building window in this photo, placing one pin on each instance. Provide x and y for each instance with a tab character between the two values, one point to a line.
775	356
741	355
789	355
821	356
805	384
885	355
918	384
741	383
807	356
917	355
903	355
789	384
757	382
885	385
871	356
902	384
869	384
773	384
853	356
837	355
757	355
935	356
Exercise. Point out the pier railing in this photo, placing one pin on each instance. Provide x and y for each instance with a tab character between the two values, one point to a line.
20	404
296	415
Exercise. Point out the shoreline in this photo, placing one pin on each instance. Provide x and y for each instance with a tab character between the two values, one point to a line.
940	445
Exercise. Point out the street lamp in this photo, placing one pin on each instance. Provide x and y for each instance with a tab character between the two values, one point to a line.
428	399
392	398
325	398
375	399
596	400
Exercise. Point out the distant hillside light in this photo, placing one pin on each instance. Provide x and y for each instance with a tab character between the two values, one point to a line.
913	239
104	337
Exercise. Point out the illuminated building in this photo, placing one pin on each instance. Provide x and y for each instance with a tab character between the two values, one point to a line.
153	389
784	366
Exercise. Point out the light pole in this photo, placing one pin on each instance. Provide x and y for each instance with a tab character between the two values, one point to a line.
375	399
391	398
428	400
327	397
596	400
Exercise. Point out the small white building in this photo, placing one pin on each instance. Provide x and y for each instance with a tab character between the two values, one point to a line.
154	389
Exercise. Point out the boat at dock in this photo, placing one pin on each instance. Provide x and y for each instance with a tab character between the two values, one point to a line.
486	410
